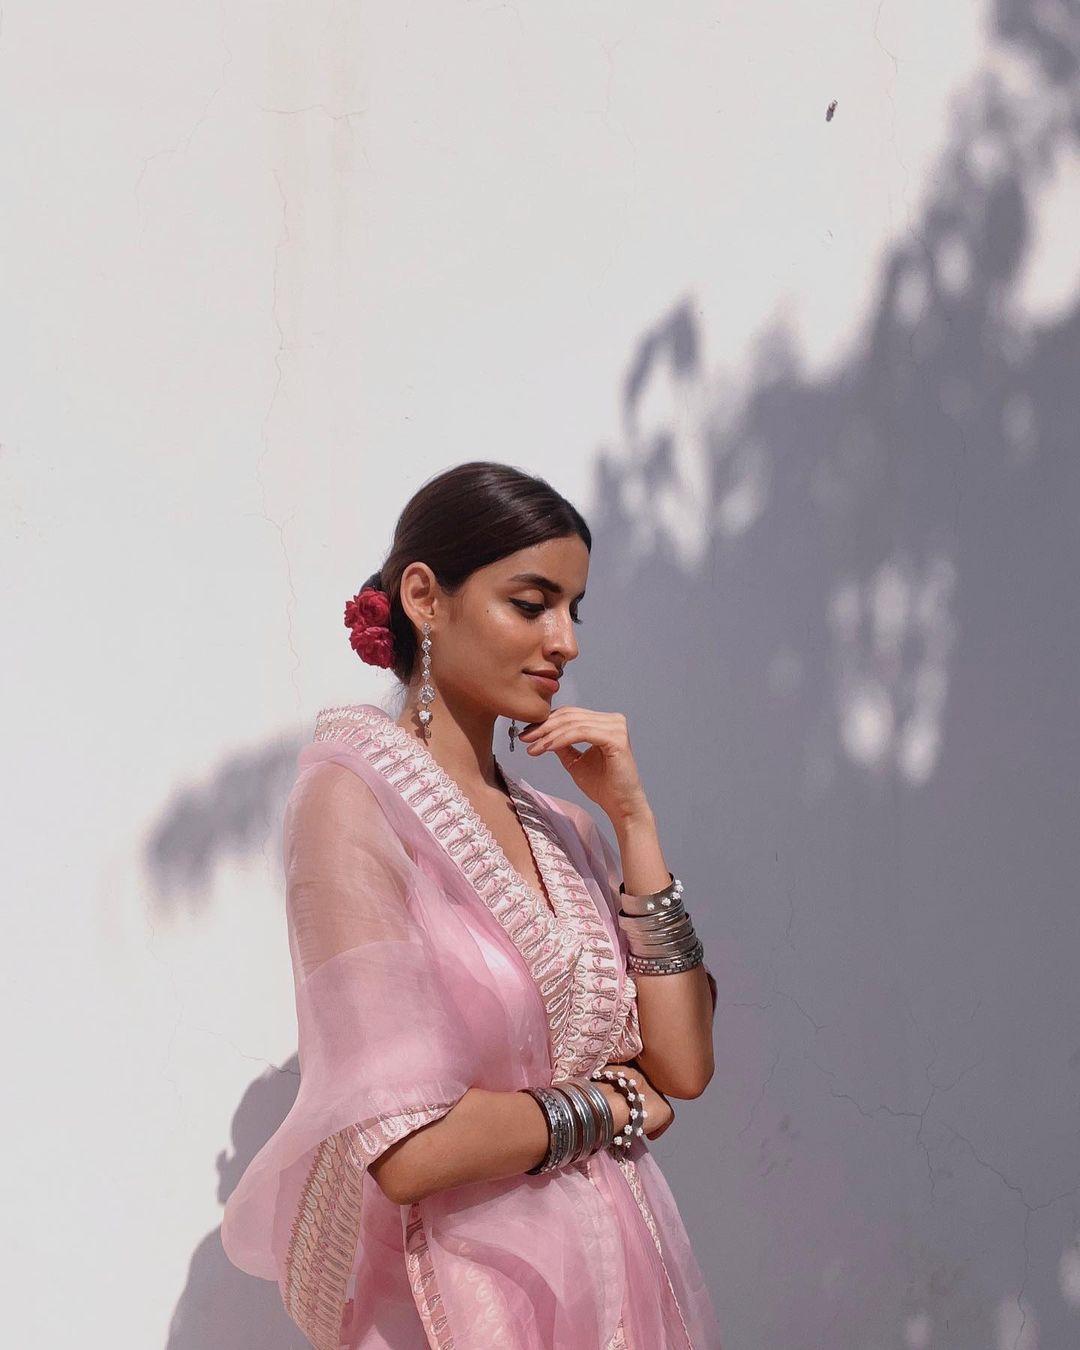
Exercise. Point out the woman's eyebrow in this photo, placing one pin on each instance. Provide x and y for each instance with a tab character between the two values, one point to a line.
544	583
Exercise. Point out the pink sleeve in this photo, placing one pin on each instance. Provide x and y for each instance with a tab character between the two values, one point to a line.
381	1047
346	874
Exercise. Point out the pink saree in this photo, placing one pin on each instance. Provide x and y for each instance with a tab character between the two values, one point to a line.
424	964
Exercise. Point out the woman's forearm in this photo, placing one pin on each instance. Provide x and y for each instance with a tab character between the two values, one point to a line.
483	1137
675	1012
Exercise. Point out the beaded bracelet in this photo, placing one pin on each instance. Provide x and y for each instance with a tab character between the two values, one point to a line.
628	1087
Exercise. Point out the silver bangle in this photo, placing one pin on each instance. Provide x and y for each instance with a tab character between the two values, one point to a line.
602	1110
579	1118
672	965
668	934
674	937
586	1122
575	1125
654	900
660	934
559	1122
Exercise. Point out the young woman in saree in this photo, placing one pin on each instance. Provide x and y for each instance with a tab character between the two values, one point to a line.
493	1006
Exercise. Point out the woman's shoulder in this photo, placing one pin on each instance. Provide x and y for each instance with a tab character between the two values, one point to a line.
328	793
345	721
334	761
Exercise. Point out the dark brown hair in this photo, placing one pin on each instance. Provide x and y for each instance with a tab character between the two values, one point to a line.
463	519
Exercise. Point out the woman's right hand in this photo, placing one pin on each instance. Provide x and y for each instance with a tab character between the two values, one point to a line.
659	1113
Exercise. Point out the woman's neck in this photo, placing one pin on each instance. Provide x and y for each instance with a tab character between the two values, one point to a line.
459	740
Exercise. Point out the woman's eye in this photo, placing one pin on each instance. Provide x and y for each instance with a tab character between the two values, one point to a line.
532	610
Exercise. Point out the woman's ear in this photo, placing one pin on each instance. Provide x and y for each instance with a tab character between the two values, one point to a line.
418	592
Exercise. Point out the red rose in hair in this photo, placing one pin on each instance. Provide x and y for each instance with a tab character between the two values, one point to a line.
367	617
375	645
369	608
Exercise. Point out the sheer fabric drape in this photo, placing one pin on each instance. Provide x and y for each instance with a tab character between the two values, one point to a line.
415	979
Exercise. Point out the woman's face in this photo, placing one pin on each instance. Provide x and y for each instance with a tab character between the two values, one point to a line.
516	615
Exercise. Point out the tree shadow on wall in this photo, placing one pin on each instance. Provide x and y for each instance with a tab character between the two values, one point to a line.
235	814
836	612
850	603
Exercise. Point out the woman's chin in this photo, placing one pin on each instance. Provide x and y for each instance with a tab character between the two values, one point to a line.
533	709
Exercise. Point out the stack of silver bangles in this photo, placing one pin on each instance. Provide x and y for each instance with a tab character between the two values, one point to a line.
579	1117
659	932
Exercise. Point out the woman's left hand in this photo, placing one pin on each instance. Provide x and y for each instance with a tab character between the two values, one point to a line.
659	1112
606	771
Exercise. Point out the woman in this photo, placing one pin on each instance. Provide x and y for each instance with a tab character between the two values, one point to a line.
463	1167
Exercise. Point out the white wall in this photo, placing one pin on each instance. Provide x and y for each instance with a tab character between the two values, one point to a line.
267	267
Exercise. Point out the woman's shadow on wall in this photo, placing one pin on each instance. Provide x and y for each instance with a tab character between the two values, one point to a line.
222	1308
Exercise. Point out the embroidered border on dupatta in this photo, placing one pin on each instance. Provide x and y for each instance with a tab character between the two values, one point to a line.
325	1228
619	1341
630	1172
629	1043
621	1040
597	1009
422	1281
323	1240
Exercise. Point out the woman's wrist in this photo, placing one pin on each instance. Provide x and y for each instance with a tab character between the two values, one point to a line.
633	815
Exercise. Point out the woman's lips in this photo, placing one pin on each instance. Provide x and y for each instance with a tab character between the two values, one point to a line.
544	682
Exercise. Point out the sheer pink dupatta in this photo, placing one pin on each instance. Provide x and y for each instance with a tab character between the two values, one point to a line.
382	1044
407	994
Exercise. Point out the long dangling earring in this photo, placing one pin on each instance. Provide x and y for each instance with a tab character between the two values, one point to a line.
427	689
512	732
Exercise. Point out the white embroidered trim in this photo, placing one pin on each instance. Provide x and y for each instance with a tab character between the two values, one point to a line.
569	952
